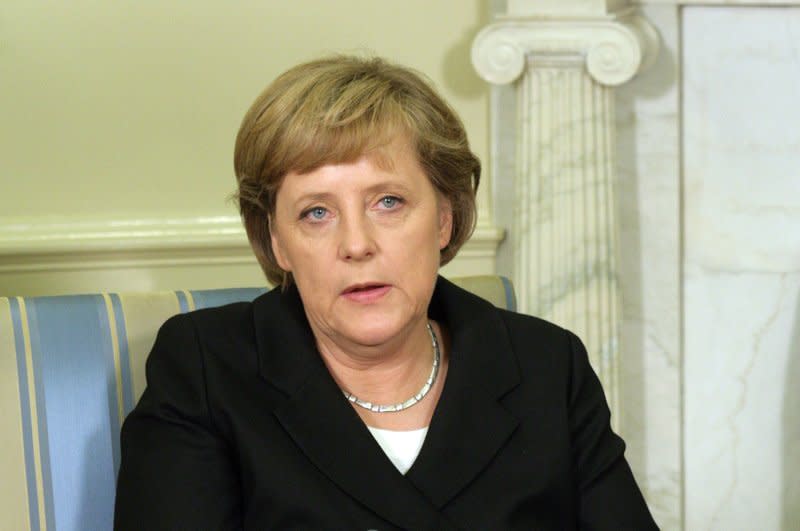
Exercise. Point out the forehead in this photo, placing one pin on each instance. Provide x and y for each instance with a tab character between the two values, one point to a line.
394	163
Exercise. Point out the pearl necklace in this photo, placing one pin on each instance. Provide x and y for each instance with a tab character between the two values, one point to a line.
391	408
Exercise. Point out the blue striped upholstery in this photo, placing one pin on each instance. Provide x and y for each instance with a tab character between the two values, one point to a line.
71	368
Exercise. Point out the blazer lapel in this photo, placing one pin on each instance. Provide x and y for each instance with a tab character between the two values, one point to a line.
323	424
333	437
470	424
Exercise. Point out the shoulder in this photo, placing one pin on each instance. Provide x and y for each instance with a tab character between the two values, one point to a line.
553	357
532	336
462	308
197	330
199	353
226	325
540	347
527	326
205	340
223	322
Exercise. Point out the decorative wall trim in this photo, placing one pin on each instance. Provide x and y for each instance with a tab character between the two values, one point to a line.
81	236
565	232
109	244
745	3
615	48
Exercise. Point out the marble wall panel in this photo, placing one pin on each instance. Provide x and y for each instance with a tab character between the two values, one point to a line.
742	267
648	199
648	191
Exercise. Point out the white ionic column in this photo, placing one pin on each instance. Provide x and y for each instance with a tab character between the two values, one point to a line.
565	229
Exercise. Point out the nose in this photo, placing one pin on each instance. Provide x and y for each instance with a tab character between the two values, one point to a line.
357	239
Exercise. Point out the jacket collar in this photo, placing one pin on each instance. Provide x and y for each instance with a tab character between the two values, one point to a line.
468	428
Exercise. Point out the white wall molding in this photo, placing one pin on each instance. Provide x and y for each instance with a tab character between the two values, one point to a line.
563	58
761	3
614	47
36	237
94	244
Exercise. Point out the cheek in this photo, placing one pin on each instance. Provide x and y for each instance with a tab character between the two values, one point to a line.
291	249
278	250
310	260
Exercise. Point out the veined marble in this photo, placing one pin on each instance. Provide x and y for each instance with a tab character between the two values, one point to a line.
648	191
648	207
564	228
742	403
565	231
709	364
742	268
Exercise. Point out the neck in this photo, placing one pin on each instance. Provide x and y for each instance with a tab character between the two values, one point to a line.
385	374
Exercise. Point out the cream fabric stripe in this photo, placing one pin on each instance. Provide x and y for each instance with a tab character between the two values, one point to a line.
144	313
37	455
112	325
13	483
488	287
189	299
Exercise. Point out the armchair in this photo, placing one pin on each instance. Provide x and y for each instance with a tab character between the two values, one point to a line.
71	368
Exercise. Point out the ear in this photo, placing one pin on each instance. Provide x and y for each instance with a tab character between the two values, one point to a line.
445	222
277	247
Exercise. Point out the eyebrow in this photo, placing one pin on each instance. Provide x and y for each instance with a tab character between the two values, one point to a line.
322	196
312	197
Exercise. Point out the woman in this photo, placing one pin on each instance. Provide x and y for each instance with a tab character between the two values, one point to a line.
366	392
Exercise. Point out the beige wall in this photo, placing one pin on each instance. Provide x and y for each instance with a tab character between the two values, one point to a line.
117	122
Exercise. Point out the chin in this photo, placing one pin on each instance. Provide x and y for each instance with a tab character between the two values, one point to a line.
372	331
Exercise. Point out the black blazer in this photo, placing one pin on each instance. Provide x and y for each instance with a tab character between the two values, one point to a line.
242	426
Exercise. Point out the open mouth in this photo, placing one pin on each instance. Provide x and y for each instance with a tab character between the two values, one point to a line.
358	288
366	292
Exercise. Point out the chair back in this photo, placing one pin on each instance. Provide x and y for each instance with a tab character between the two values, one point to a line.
71	368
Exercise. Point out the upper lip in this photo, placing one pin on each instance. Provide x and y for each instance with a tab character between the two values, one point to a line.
363	285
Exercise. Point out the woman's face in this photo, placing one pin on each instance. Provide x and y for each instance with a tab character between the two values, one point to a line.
362	241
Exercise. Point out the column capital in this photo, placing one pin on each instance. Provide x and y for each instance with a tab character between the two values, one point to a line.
614	47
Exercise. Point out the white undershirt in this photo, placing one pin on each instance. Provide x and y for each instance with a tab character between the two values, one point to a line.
401	447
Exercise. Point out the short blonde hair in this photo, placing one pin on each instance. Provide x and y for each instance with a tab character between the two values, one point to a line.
334	110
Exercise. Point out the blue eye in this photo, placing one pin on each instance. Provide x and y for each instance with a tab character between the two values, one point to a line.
315	213
390	201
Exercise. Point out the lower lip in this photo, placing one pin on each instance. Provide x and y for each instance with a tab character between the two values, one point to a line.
367	295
